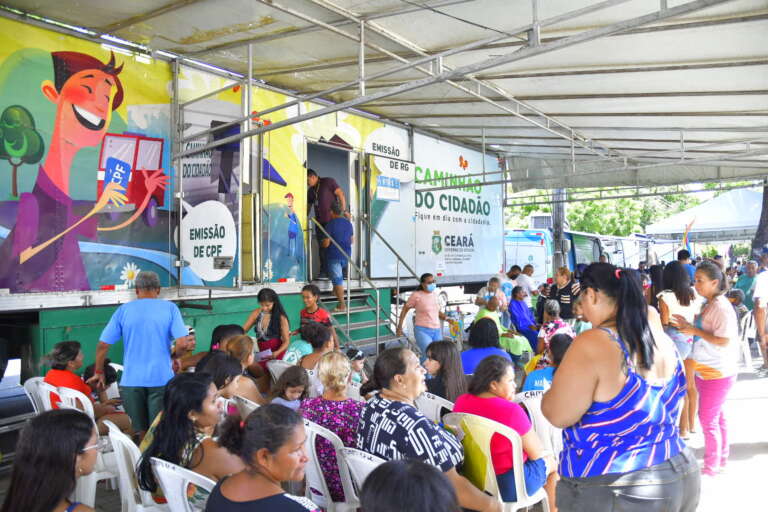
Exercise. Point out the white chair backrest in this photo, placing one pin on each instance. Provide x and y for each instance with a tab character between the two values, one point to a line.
174	481
481	431
244	406
44	391
360	464
113	391
317	488
74	399
431	406
127	456
31	386
551	436
276	368
353	392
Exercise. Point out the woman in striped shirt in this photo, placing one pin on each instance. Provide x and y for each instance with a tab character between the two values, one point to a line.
617	395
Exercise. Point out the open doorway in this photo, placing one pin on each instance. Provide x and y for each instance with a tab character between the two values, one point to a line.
340	164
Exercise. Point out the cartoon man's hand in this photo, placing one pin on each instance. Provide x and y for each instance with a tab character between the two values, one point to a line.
156	180
112	192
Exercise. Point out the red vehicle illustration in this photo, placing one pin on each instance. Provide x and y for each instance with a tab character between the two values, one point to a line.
144	155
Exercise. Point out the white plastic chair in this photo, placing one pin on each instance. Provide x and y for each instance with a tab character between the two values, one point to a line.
106	463
360	464
477	431
113	391
31	386
276	368
551	436
244	406
747	330
431	406
175	480
127	455
317	489
44	391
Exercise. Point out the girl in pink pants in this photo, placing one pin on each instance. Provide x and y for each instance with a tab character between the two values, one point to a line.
716	354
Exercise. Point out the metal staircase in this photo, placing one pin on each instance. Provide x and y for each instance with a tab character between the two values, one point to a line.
366	323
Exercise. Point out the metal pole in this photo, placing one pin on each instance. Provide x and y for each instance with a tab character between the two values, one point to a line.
349	292
482	132
361	59
378	321
558	218
176	147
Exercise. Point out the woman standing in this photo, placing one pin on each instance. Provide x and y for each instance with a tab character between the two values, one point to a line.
617	394
564	292
271	324
678	299
426	324
336	412
45	473
716	354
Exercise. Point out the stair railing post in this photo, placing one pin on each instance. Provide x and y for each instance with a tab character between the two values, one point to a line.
349	293
397	294
378	321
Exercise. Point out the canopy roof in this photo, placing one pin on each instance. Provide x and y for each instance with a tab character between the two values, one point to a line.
577	92
733	215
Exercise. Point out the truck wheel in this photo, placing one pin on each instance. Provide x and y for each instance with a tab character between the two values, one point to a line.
150	213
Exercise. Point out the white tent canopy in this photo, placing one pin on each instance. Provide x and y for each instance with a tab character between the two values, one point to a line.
733	215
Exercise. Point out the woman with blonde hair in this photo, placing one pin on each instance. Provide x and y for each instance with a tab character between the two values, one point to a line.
241	348
334	411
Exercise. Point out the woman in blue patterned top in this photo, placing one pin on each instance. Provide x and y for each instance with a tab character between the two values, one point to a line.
617	395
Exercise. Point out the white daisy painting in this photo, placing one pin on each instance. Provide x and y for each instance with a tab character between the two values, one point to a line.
129	273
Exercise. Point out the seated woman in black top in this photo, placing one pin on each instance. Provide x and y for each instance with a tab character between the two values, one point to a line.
271	443
443	363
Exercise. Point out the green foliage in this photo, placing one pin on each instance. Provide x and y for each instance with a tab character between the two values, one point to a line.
20	143
621	216
741	250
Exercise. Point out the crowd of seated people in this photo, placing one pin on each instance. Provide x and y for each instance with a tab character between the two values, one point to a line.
598	347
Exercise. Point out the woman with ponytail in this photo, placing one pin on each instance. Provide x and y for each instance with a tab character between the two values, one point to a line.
716	352
617	395
270	443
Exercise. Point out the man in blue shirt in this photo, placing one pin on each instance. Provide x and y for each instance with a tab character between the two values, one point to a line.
340	230
684	257
148	326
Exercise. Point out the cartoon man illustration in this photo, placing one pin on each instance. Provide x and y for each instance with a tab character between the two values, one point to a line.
42	252
293	225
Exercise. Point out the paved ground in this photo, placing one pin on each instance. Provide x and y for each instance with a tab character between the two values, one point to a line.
740	488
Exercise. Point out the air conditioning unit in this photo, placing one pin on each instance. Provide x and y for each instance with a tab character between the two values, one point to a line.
542	221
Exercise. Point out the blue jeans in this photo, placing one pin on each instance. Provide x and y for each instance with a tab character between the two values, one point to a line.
672	486
335	269
424	336
534	474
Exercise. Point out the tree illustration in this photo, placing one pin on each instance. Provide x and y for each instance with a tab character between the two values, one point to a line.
20	143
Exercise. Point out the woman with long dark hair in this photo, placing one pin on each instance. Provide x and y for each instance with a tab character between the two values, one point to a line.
53	450
183	436
617	395
270	446
716	352
677	298
427	317
271	323
444	365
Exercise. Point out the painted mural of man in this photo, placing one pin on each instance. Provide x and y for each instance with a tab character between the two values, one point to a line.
42	252
293	224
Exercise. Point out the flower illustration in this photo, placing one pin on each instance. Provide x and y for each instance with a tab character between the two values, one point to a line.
129	273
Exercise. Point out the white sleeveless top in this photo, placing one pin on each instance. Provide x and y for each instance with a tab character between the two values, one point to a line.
688	312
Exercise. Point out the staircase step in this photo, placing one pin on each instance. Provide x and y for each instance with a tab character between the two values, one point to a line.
352	310
354	326
353	296
367	342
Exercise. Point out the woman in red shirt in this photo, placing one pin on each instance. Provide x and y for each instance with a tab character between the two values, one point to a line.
66	358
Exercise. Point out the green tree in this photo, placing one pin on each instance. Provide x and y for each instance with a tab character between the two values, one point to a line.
20	143
620	216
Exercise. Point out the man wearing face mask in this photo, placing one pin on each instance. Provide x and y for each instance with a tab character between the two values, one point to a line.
428	317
